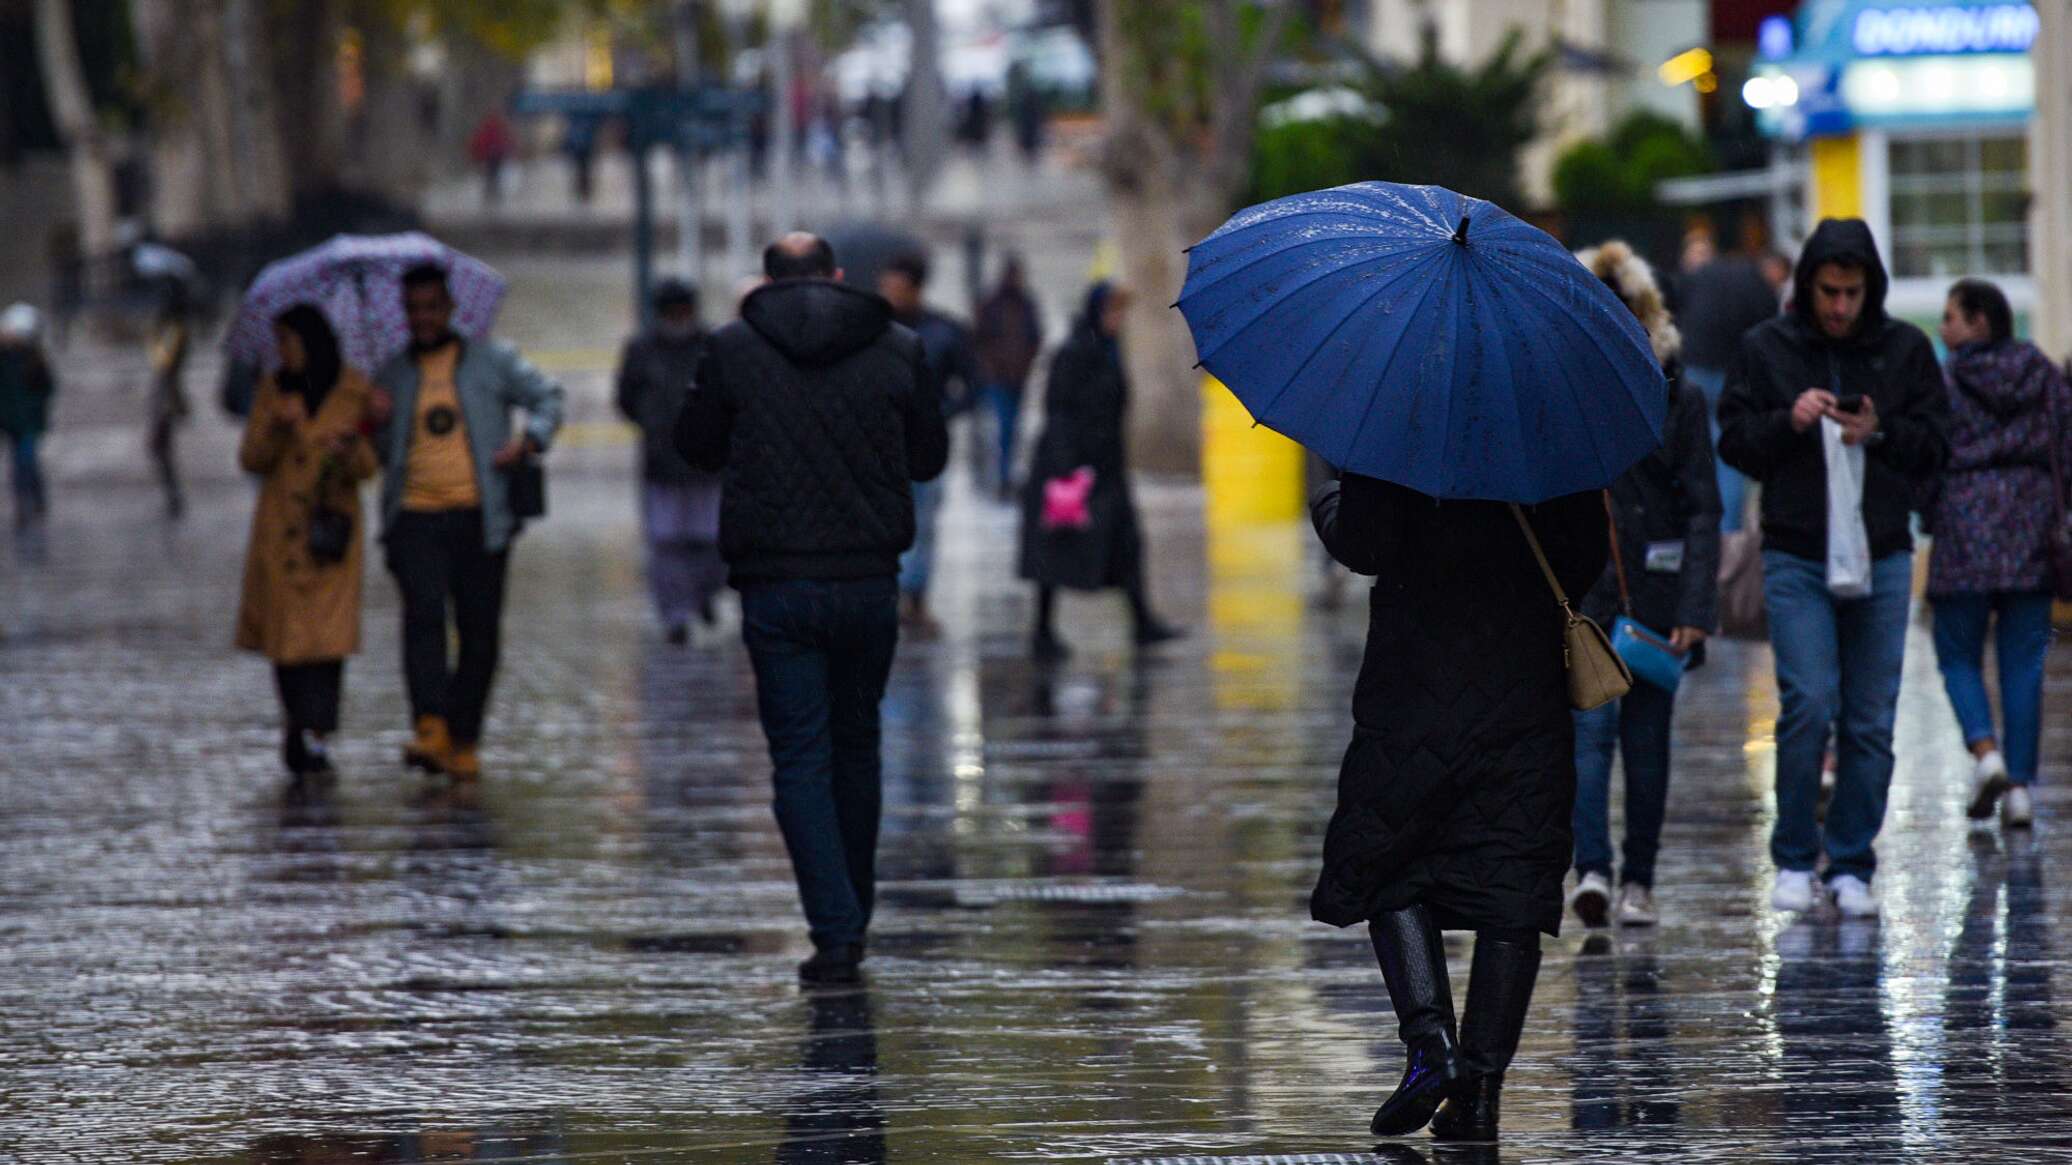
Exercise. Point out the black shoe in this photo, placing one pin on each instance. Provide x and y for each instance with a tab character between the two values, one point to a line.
1470	1112
293	753
1412	955
1499	993
1152	632
834	966
678	635
1048	648
707	613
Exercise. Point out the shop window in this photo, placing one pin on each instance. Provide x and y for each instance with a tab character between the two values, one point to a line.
1959	206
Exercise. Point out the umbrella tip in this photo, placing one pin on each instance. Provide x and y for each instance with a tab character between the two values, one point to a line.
1460	233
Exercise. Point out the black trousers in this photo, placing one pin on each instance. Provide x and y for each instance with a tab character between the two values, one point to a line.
439	564
310	693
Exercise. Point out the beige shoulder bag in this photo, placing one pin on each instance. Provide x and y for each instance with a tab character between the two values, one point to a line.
1596	674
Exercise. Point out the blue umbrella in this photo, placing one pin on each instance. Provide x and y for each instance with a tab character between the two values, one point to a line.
1426	338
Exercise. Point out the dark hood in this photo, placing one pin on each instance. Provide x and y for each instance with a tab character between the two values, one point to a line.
2007	378
1847	239
816	322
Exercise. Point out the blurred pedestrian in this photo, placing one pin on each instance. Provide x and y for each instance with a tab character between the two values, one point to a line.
814	408
490	148
1665	517
307	439
1079	515
679	505
1454	798
26	389
950	363
579	142
1009	337
1991	520
1026	106
1840	411
443	408
167	348
1716	305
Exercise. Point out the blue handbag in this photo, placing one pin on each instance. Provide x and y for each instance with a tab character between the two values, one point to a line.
1648	654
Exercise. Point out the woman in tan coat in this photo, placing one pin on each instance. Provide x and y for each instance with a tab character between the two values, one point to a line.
306	439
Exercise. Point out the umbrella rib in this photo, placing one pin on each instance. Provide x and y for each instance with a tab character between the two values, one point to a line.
1212	279
1296	375
1610	358
1283	298
1374	390
1606	469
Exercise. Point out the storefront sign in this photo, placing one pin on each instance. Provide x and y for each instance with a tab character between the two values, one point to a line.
1944	30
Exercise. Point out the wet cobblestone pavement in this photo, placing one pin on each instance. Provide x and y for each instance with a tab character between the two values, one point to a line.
1093	945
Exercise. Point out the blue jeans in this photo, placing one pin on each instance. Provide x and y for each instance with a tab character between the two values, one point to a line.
1006	402
26	472
1638	728
822	651
917	565
1733	488
1838	667
2021	641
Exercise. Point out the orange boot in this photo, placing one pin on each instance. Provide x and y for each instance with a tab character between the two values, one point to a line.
464	763
433	746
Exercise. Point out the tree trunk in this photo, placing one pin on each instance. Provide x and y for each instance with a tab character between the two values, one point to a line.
179	46
71	107
260	173
304	57
926	118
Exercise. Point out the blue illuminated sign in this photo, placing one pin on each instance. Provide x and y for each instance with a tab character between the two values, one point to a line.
1774	38
1944	30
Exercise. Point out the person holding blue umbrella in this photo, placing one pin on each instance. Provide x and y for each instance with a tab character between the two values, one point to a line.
1478	388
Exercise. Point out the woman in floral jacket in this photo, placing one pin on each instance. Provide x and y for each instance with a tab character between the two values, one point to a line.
1991	518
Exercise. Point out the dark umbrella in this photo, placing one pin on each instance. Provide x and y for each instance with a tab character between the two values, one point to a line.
1422	337
862	249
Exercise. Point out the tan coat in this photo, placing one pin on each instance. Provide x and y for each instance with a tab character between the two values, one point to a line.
295	611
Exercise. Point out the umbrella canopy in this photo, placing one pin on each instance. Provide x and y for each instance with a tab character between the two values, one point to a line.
356	281
863	249
1426	338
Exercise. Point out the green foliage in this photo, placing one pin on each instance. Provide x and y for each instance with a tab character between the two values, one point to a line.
1175	63
1620	172
1458	127
1308	155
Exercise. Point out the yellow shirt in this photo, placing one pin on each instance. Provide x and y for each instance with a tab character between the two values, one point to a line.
440	473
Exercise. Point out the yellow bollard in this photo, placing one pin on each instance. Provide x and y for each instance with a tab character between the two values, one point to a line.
1250	474
1253	482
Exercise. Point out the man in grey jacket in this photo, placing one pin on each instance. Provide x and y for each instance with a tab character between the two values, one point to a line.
442	410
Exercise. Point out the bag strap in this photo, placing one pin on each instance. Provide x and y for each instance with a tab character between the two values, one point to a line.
1611	520
1540	556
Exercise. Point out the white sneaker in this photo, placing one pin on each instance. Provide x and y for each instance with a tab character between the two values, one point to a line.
1637	906
1592	900
2015	810
1794	892
1988	782
1853	897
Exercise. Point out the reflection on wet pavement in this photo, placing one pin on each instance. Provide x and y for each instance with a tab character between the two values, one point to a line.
1093	941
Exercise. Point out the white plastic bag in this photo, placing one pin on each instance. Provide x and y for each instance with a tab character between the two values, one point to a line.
1848	542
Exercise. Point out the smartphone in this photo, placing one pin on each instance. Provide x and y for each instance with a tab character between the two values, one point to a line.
1850	402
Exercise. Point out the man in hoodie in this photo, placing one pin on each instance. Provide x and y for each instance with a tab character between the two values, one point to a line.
951	364
1836	364
816	411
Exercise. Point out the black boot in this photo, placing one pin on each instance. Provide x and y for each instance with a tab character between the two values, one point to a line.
1499	992
1413	962
293	754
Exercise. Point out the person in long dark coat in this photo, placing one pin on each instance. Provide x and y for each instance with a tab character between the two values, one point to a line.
1668	519
1454	797
1085	405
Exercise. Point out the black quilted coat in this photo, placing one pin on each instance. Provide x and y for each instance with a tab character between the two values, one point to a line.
814	406
1458	786
1085	406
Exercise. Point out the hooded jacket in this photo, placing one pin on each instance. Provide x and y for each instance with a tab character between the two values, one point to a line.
1887	360
816	410
2011	414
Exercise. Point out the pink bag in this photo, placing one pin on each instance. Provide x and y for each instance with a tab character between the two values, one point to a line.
1065	500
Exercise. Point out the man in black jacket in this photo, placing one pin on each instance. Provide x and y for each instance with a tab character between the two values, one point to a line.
1837	364
814	408
679	505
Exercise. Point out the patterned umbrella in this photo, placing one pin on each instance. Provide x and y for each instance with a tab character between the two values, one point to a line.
356	281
